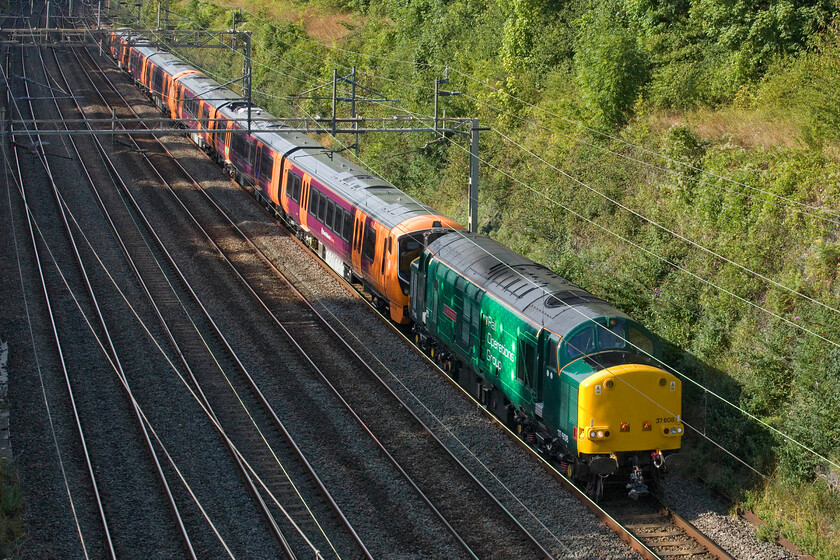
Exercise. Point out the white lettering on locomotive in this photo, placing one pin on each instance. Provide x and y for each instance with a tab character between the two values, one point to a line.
497	346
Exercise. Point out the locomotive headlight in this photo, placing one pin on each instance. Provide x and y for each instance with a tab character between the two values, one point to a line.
673	430
599	433
679	430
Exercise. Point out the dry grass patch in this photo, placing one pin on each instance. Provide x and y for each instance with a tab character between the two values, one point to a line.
319	23
742	127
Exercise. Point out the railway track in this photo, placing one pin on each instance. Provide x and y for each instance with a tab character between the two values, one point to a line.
146	263
85	291
481	532
670	539
255	438
662	532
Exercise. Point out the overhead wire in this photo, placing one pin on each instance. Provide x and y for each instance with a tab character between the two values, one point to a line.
607	230
801	327
577	124
30	216
262	483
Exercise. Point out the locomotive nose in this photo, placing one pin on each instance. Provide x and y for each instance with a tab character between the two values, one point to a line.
630	407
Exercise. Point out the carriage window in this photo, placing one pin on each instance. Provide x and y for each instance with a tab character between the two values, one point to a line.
582	343
314	195
235	140
240	146
266	164
293	183
337	219
612	337
322	208
348	226
250	152
157	79
330	215
369	245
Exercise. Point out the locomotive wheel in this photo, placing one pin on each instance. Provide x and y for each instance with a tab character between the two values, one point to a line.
595	487
432	352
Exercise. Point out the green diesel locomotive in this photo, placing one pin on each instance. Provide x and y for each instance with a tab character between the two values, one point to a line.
565	369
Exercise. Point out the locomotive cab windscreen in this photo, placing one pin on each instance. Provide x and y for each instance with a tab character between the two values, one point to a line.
616	335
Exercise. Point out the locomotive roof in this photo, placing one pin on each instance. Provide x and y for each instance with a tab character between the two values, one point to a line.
530	288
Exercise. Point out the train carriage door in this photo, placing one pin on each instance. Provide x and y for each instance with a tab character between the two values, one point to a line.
199	114
144	72
369	238
176	98
274	179
358	232
285	184
211	126
226	137
390	267
305	196
380	259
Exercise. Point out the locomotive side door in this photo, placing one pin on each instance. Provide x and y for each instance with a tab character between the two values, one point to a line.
548	382
548	342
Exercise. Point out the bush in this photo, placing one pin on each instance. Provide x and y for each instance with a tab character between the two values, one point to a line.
611	69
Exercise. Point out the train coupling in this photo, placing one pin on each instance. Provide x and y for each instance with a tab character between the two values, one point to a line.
637	487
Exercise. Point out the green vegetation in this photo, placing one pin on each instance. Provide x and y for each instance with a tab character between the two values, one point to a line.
716	122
